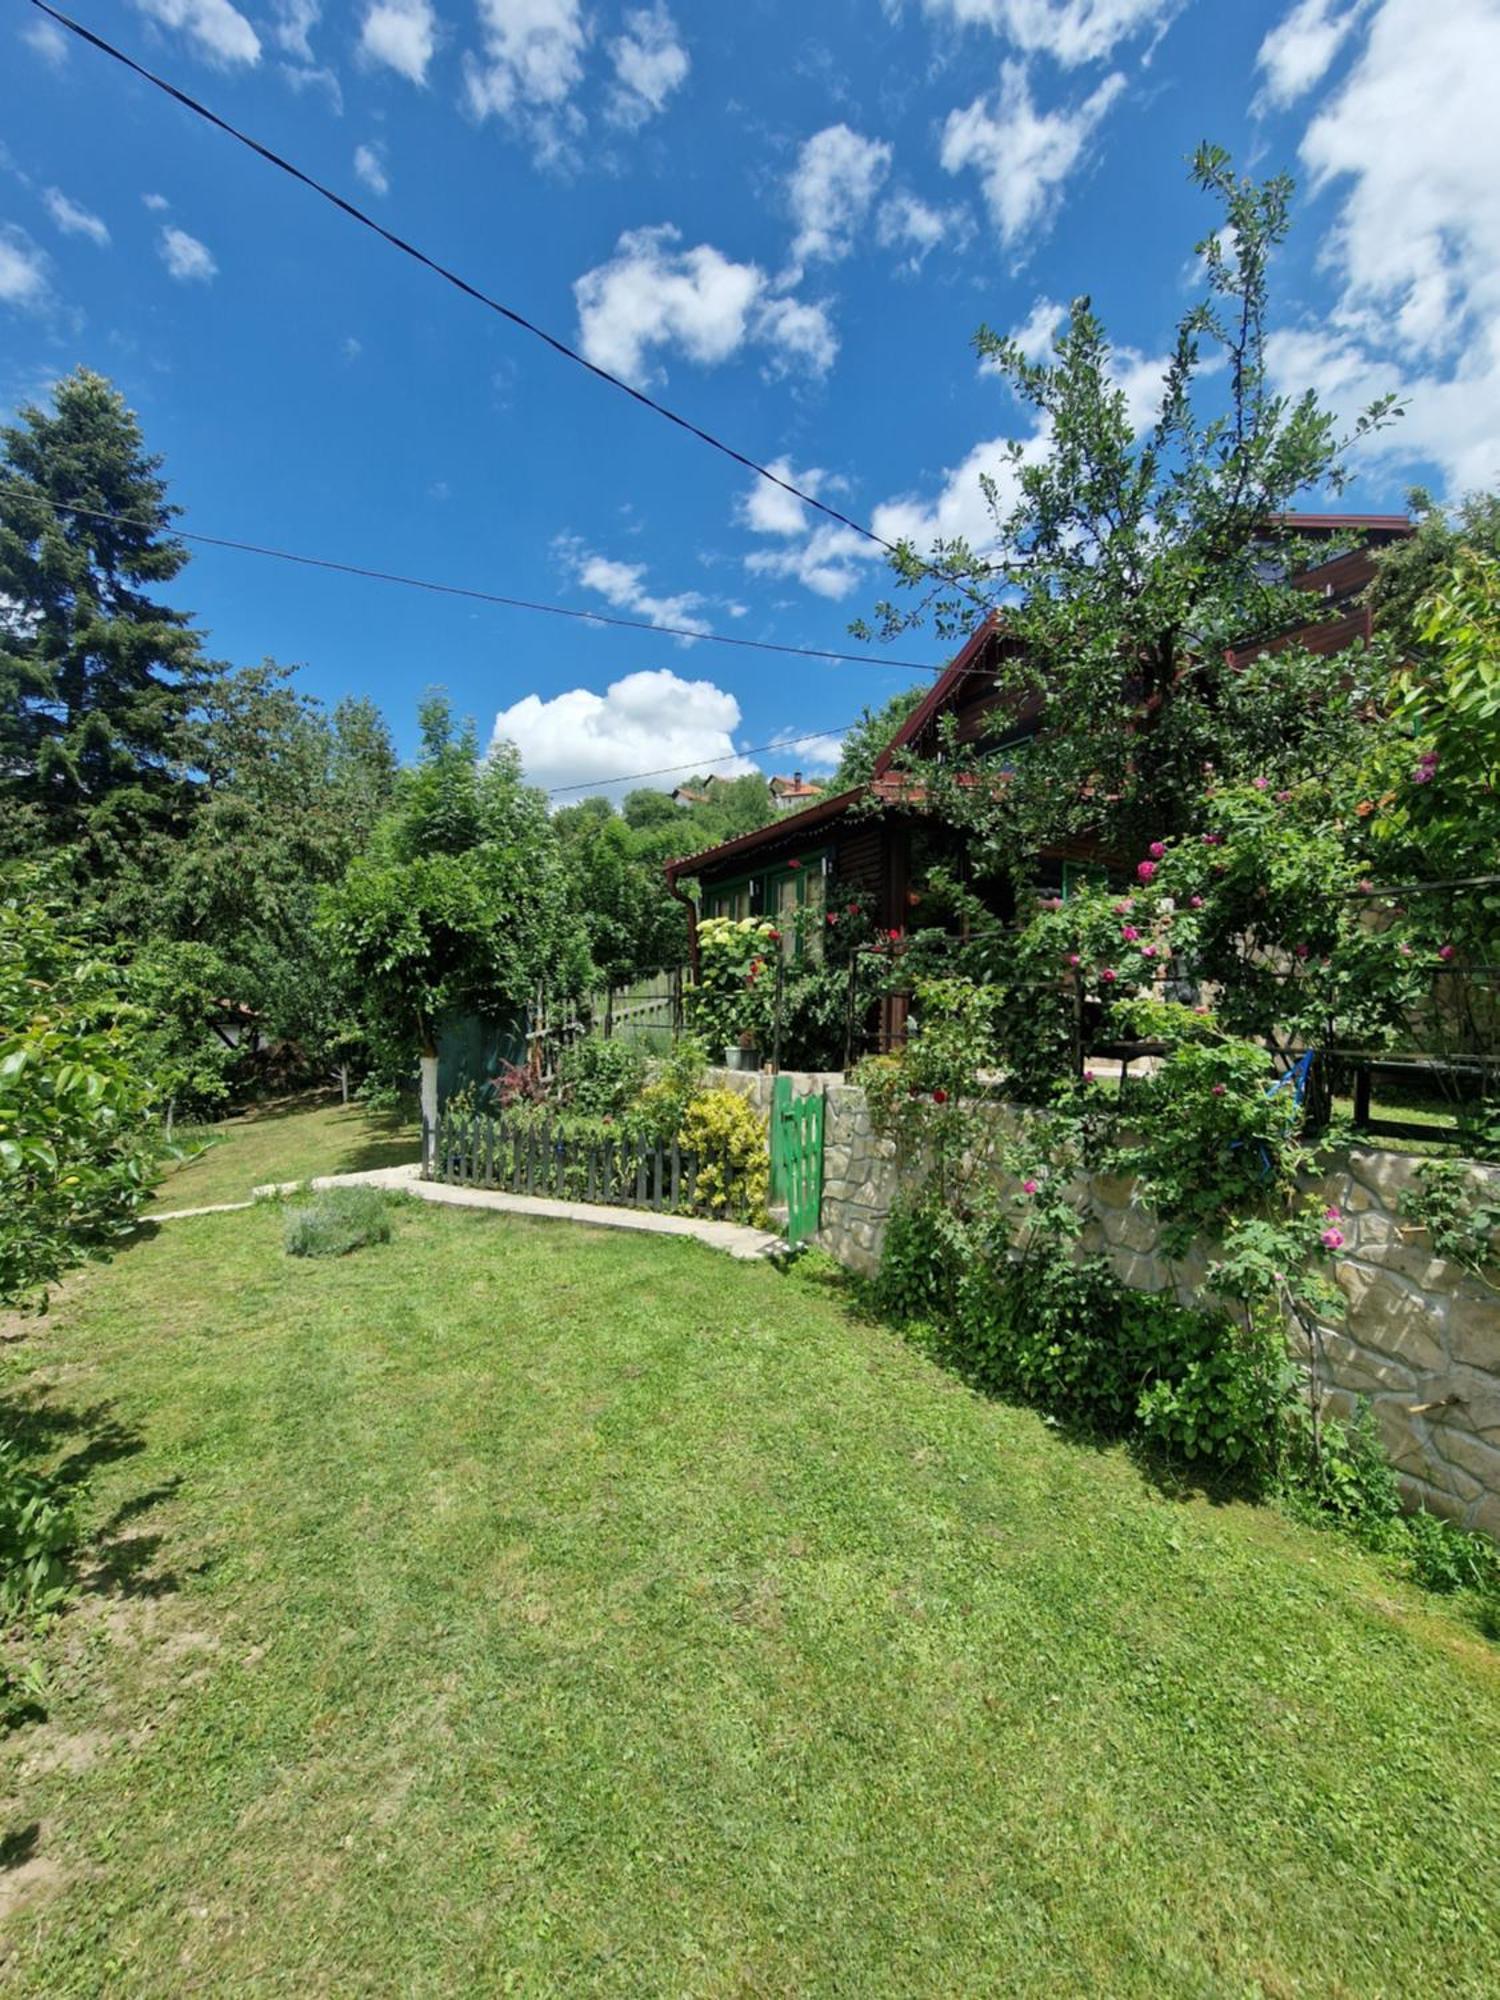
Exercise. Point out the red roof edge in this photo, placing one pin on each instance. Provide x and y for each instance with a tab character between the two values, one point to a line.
788	826
961	665
1331	524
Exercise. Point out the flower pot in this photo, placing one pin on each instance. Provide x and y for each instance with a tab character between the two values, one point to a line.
737	1058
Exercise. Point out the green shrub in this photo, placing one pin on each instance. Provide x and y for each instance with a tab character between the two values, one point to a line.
1445	1557
661	1107
601	1078
38	1527
729	1138
337	1221
1063	1333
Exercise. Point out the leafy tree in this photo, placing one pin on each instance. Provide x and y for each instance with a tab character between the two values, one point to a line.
78	1142
1432	785
97	678
460	903
864	742
1127	564
633	924
1410	569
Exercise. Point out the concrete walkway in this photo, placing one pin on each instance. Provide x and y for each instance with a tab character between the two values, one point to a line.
746	1244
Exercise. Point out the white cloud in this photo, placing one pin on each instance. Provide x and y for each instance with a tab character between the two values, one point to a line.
653	295
1411	142
770	510
645	722
623	585
402	34
185	257
45	39
219	33
830	562
799	335
1300	49
960	509
650	63
832	188
811	753
23	270
74	220
1036	333
1022	155
370	167
306	76
1070	31
295	21
157	203
906	222
532	60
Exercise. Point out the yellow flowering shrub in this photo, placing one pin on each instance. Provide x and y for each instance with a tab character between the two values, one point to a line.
731	1142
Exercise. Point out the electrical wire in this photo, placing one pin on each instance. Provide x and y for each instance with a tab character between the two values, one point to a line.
464	590
667	770
516	319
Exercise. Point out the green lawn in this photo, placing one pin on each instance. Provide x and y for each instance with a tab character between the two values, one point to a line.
522	1608
287	1141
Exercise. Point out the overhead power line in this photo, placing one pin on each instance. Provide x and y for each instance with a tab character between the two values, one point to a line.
470	592
668	770
452	277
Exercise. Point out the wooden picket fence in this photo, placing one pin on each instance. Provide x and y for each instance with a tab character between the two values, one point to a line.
621	1173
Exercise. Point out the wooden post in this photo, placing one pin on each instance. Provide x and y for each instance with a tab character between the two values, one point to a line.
1362	1097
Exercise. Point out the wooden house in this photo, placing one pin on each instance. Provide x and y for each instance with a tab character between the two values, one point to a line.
879	839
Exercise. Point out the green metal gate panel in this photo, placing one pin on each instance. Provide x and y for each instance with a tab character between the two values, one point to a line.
797	1159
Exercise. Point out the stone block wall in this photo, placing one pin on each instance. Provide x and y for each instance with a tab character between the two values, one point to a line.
1421	1339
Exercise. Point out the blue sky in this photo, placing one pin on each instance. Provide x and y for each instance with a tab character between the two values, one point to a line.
784	220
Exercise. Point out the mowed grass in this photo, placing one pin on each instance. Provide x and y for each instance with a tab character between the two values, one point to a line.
518	1608
290	1140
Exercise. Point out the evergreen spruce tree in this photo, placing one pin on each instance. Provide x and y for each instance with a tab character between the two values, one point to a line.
97	678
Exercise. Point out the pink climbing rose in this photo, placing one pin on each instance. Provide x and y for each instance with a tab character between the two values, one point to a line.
1028	1187
1109	975
1157	849
1447	951
1333	1239
1145	869
1129	933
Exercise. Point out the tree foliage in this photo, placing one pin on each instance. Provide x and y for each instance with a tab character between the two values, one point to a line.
97	676
1125	563
868	737
460	902
77	1141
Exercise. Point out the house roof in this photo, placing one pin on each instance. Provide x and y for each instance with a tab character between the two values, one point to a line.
1344	524
790	828
890	787
964	663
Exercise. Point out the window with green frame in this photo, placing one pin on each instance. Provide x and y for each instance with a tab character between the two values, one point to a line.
777	893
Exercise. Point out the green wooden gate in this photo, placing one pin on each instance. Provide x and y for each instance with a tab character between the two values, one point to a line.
797	1159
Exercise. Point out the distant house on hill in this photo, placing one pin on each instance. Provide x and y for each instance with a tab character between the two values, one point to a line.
879	840
700	791
793	793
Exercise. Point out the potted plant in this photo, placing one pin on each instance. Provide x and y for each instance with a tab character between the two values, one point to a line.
742	1054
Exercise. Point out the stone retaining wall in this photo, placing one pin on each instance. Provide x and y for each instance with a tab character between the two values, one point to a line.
1421	1339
